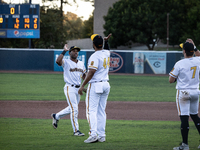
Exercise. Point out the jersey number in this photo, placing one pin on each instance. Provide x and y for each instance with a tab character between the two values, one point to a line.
193	68
105	64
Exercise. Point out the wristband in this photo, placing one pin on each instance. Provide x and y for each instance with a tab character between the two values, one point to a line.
195	49
63	52
175	80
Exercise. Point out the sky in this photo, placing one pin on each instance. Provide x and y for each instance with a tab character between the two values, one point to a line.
84	9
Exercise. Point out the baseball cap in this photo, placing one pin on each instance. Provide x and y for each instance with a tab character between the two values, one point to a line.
74	47
97	40
187	46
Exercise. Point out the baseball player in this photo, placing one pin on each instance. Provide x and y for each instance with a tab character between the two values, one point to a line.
186	73
73	71
97	90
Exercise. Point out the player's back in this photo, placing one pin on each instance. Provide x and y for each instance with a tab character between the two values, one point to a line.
103	58
188	77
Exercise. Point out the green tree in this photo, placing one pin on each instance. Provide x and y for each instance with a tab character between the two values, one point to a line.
88	27
145	21
51	33
192	21
73	26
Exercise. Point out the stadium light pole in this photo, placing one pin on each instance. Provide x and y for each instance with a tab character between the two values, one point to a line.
29	43
167	30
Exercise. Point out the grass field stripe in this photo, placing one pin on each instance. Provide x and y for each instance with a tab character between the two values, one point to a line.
179	110
72	108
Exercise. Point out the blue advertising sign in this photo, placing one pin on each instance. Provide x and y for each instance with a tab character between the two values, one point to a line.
81	57
155	60
23	34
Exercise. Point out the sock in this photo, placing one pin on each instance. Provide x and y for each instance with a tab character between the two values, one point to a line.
184	128
196	121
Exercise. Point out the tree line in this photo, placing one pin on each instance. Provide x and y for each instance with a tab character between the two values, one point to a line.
129	21
145	22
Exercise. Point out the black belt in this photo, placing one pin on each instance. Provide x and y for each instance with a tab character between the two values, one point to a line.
76	86
101	81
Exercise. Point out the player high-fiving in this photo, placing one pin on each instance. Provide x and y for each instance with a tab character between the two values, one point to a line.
73	71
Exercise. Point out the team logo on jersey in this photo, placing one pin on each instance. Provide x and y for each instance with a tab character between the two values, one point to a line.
92	63
75	69
116	62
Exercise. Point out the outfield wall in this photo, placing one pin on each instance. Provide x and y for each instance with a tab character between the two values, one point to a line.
121	61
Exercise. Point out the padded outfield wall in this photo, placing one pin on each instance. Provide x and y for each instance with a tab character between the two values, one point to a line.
121	61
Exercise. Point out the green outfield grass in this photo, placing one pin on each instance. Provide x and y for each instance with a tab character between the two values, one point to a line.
38	134
21	86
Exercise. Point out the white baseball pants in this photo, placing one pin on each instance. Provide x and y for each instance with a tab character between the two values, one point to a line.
187	102
96	100
73	99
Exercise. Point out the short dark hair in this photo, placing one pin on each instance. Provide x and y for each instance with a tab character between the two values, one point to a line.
189	48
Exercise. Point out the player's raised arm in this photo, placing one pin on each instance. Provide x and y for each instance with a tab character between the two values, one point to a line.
196	51
60	57
106	45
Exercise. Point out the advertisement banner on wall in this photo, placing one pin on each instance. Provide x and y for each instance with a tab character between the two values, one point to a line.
23	34
138	61
116	62
155	60
81	57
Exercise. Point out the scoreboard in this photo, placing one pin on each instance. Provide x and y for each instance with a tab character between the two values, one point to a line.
19	21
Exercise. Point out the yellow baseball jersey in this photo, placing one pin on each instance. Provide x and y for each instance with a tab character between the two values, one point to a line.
100	61
187	73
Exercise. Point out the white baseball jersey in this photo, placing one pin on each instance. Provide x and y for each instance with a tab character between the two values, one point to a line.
73	71
187	73
100	61
72	76
98	91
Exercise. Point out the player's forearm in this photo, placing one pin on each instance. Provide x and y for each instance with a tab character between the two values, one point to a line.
197	53
172	79
87	78
83	76
59	59
106	45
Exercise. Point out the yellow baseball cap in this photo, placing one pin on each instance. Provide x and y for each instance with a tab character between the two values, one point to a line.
92	36
181	45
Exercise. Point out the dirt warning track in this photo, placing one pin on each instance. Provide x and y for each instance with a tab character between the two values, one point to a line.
115	110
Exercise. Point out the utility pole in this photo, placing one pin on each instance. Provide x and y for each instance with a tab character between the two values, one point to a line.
30	39
167	30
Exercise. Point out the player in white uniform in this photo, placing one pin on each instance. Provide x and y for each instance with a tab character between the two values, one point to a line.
73	71
186	73
98	90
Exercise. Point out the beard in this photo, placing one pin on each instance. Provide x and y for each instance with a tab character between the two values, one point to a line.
73	57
